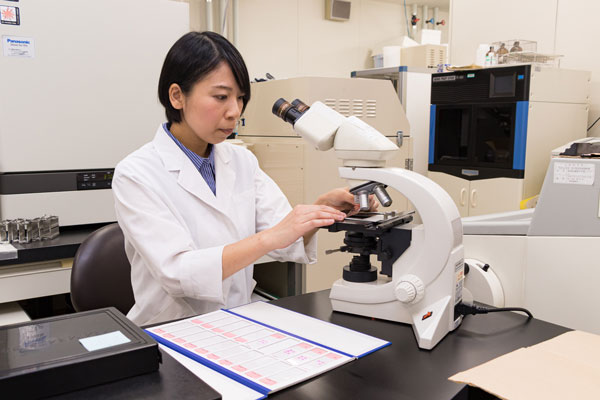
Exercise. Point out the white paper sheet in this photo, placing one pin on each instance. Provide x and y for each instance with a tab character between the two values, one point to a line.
255	355
103	341
327	334
8	251
574	173
260	347
228	388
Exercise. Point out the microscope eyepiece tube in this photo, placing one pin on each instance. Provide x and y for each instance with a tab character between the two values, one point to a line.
300	105
286	111
382	195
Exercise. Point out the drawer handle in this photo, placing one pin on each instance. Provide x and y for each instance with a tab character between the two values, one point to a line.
463	193
474	198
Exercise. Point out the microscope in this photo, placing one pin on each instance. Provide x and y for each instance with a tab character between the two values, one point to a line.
422	266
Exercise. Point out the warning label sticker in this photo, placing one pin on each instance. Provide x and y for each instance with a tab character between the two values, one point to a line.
9	15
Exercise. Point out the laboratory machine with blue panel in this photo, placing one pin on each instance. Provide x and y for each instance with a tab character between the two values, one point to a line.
492	130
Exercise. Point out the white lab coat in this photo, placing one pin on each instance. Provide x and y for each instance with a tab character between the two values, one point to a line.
175	227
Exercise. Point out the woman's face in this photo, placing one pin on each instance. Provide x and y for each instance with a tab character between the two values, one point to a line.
210	110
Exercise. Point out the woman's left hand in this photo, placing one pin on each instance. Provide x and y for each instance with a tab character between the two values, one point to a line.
341	199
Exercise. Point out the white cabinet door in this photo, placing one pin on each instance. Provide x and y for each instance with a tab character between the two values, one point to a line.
484	196
457	188
496	195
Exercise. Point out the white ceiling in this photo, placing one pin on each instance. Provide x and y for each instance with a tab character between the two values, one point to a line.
442	4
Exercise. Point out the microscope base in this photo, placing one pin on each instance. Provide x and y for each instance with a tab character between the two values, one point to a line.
431	321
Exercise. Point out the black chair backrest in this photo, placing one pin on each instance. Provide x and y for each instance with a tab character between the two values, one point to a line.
101	274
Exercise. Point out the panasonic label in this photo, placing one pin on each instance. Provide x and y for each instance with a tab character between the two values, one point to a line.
16	46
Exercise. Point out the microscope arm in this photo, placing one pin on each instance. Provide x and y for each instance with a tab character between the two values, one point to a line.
427	279
442	228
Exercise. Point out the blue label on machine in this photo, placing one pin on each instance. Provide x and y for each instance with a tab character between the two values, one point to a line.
431	132
520	134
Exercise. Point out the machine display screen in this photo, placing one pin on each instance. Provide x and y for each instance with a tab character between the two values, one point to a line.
95	179
502	85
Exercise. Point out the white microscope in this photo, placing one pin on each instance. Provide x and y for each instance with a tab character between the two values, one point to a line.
421	277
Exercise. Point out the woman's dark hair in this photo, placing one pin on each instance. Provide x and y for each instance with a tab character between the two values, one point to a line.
192	57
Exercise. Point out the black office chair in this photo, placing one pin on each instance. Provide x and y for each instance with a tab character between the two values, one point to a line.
101	274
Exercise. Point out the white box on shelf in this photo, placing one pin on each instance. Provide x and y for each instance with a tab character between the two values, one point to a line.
429	36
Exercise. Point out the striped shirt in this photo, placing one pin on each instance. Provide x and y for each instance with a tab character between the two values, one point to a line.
206	166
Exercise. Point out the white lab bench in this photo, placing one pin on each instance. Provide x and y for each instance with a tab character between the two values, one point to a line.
27	281
44	269
39	269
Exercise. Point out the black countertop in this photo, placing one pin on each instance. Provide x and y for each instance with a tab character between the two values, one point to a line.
171	381
64	246
400	371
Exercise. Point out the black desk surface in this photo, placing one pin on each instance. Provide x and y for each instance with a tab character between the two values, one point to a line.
402	370
171	381
399	371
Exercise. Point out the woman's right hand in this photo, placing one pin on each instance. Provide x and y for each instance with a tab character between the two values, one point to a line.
303	220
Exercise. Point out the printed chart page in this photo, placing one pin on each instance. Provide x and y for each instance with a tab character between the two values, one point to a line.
327	334
263	357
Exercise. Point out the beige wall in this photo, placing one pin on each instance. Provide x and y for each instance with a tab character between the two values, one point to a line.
290	38
559	26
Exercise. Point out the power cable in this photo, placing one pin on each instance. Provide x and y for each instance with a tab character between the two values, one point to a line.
591	126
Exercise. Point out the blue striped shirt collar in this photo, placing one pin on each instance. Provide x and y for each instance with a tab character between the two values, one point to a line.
205	165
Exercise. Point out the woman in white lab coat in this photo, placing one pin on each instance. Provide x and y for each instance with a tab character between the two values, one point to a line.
197	212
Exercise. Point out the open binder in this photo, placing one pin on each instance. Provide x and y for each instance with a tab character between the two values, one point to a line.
265	347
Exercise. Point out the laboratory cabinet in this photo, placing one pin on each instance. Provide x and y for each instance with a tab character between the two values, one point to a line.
492	131
481	196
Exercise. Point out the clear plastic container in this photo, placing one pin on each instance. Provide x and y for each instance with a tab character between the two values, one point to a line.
501	53
524	52
517	45
524	57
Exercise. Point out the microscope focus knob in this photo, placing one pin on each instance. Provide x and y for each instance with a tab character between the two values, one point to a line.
410	289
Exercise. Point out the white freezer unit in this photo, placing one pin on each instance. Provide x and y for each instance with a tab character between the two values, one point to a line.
83	100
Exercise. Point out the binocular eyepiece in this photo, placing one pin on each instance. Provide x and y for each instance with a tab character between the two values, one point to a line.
300	106
289	112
